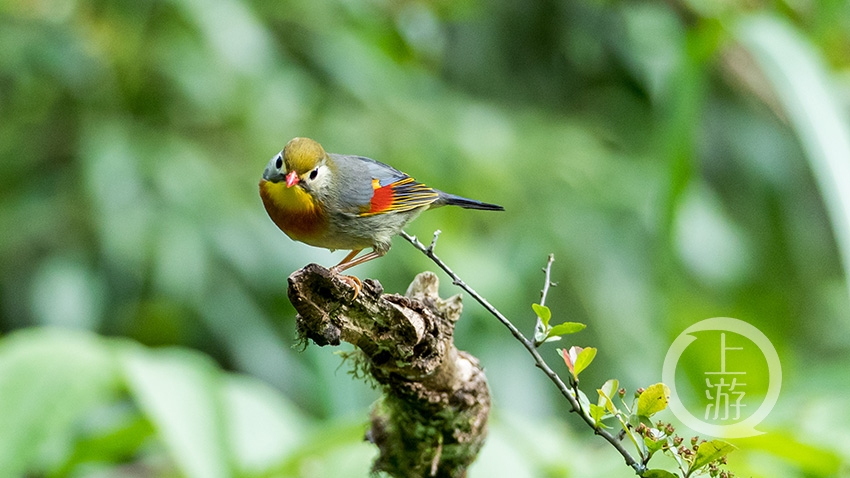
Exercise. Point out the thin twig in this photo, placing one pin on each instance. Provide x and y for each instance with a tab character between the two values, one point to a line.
529	346
547	271
540	329
434	240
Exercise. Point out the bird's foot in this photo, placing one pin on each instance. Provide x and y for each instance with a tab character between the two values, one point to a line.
355	283
352	281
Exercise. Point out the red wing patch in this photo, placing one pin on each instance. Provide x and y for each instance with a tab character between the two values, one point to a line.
382	197
402	195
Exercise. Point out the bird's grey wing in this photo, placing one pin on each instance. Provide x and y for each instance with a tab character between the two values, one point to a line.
371	187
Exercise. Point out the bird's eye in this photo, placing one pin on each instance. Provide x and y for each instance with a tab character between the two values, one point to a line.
314	173
278	163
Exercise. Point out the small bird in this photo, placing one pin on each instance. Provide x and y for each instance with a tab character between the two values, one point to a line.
340	201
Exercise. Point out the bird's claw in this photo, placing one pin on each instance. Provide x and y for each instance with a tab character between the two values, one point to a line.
355	284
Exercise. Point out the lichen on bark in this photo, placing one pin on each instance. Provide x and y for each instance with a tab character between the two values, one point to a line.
432	417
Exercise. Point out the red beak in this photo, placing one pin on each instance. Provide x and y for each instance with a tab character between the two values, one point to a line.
291	179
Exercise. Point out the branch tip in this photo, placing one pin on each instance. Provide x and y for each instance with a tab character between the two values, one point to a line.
434	241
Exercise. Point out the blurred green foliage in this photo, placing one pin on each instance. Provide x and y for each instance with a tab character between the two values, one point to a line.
683	160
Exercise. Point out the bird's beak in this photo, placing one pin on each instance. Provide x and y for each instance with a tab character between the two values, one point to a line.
291	179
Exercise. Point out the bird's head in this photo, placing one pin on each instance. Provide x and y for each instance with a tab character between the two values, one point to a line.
303	162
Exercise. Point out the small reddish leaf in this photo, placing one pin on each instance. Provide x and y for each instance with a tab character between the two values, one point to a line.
567	360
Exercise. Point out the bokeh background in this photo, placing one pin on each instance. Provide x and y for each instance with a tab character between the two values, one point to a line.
682	159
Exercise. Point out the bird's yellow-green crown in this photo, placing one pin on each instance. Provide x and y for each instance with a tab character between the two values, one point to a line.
302	155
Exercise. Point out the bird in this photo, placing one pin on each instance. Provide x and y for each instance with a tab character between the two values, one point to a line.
345	202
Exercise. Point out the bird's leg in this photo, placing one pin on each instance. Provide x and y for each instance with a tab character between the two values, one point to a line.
348	258
349	261
354	282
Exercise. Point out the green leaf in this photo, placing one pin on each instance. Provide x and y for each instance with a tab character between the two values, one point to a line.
804	88
112	444
656	473
583	400
606	394
566	328
180	391
634	420
597	412
263	427
583	359
710	451
49	380
543	313
539	336
653	445
653	400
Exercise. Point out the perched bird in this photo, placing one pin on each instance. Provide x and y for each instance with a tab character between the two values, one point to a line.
340	201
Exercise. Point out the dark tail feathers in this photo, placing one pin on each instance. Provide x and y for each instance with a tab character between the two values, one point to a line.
452	200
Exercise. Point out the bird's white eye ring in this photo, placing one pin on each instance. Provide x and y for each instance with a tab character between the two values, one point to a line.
314	173
278	163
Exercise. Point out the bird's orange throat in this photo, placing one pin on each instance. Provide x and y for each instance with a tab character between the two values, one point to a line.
293	210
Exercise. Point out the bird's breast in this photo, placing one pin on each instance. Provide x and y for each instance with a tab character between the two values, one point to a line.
294	211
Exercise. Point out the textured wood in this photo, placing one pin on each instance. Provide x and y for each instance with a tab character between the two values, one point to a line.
432	419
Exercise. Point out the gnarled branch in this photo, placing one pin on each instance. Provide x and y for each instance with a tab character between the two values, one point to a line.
431	420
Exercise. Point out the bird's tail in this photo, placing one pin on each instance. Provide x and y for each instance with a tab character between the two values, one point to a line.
452	200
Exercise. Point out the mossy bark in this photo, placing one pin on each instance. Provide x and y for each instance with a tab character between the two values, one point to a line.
432	418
